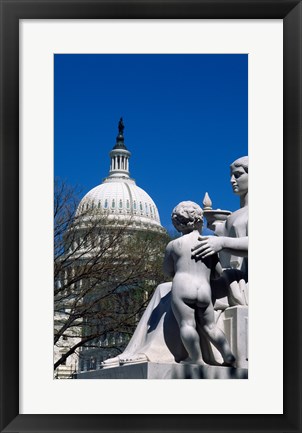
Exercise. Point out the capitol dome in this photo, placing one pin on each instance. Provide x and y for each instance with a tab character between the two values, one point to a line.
118	197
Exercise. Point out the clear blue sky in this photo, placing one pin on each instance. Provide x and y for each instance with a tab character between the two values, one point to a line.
185	116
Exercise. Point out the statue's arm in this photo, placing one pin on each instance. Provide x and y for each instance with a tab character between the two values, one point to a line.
236	246
209	245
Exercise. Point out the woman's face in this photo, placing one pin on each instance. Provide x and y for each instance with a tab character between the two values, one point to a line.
239	180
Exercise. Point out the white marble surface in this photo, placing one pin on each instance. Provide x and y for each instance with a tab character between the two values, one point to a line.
152	370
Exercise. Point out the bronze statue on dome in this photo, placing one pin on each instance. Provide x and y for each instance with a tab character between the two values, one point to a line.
121	127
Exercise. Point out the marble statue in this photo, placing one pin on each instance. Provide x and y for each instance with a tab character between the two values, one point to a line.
191	298
158	337
231	241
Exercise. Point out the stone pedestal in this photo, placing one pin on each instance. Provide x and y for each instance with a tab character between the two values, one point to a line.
234	323
152	370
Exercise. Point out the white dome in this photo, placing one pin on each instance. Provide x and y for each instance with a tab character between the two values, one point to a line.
122	200
119	197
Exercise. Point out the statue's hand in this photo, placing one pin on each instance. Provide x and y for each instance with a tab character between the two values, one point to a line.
208	246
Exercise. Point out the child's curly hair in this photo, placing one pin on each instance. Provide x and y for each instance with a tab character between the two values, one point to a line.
187	214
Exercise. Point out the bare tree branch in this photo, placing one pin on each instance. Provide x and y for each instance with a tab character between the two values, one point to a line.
104	273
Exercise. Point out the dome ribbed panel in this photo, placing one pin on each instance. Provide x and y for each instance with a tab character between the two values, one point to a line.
122	199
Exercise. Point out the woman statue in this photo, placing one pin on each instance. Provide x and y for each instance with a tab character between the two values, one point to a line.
157	336
231	242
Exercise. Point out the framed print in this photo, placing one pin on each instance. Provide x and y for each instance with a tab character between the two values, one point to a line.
35	37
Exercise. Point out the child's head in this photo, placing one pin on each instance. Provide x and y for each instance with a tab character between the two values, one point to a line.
187	216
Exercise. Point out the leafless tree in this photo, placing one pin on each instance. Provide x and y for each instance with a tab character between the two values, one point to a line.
104	273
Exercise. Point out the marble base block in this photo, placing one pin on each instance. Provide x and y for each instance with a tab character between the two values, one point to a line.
152	370
234	323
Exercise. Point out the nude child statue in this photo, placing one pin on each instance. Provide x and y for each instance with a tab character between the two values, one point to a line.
191	299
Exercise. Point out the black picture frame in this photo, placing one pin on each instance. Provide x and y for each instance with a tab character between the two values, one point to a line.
13	11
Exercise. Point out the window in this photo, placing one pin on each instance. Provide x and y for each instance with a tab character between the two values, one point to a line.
106	204
121	204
